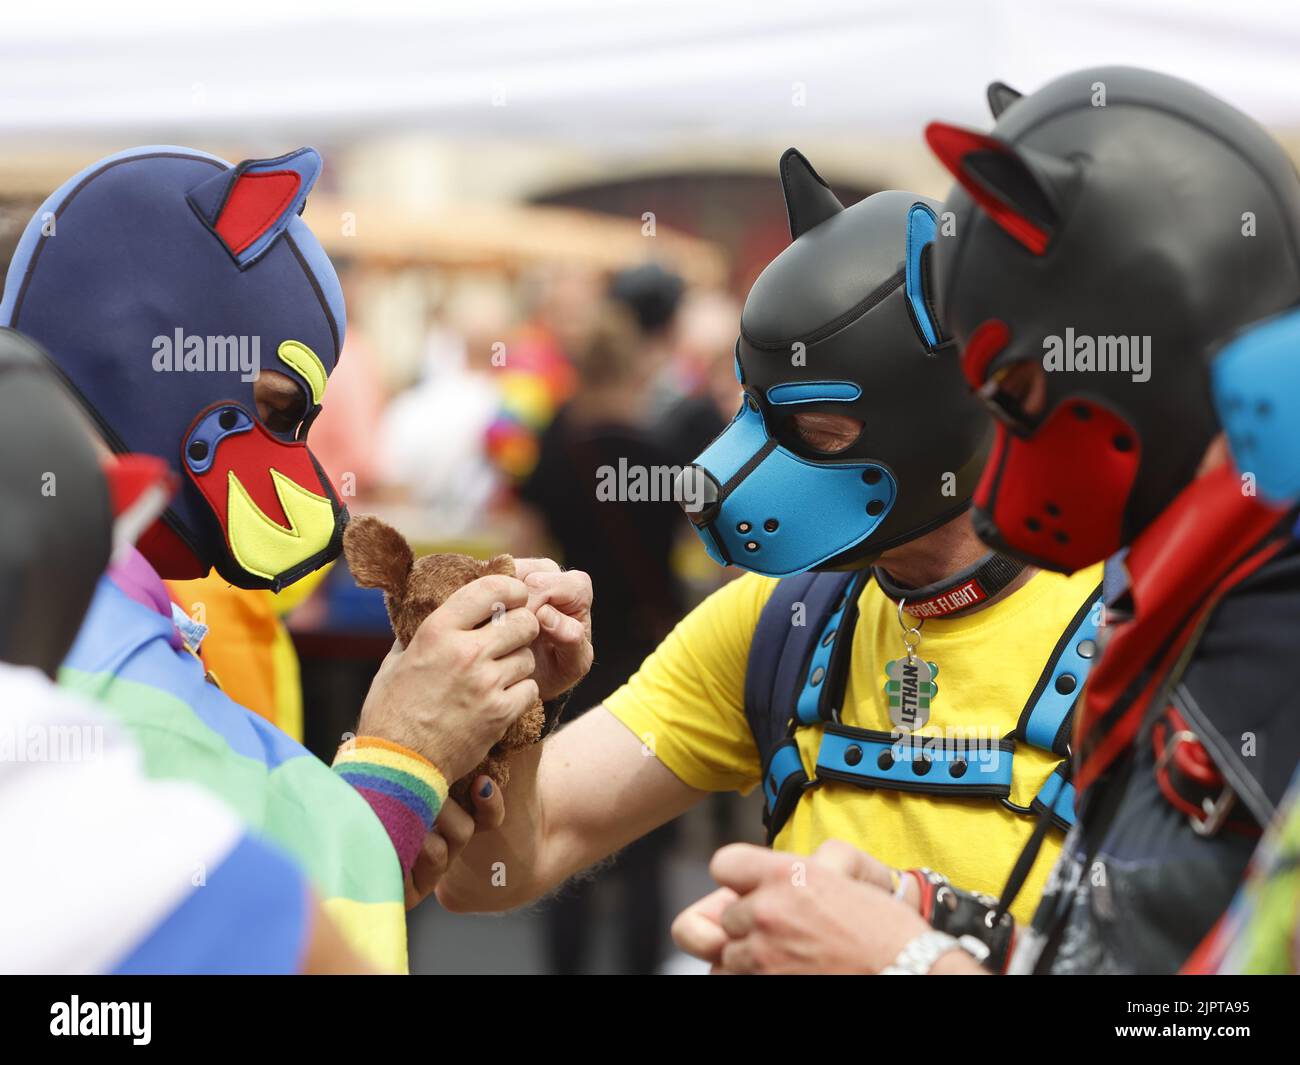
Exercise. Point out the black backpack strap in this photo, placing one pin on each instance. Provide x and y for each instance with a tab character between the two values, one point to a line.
796	629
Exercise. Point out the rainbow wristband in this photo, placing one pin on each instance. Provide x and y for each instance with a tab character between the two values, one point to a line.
405	790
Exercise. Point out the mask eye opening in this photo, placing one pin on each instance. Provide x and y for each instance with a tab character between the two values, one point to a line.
283	404
822	433
1009	391
1006	409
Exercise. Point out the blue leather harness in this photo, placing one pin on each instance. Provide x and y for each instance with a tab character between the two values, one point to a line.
797	675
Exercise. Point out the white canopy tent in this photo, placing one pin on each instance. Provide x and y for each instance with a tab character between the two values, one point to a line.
610	75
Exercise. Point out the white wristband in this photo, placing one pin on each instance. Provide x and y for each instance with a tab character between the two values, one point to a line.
918	957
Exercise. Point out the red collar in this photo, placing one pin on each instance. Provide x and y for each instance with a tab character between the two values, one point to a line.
956	593
1205	542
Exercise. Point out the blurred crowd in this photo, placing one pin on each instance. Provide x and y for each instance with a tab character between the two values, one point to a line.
526	394
519	386
478	409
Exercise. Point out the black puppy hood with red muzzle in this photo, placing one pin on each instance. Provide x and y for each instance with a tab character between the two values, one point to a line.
1116	227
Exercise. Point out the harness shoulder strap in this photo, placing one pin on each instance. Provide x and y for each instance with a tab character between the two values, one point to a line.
1048	714
791	630
1047	720
796	676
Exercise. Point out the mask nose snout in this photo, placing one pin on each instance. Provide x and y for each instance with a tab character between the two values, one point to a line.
697	493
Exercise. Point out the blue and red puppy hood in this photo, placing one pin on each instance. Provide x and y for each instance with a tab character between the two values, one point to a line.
161	280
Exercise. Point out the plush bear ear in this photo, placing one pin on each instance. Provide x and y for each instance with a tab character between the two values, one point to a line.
503	564
378	555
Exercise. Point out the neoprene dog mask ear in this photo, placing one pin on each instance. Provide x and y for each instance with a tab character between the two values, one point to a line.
841	322
1116	227
162	281
1256	379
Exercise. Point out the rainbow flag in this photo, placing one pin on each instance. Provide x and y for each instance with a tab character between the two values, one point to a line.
178	884
131	658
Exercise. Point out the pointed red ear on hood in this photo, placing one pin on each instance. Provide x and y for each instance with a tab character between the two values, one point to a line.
254	204
131	478
250	205
139	489
1020	189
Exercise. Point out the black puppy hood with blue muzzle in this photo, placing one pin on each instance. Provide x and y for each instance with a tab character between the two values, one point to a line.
841	322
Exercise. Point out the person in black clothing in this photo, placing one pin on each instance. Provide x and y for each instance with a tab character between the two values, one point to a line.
690	412
602	489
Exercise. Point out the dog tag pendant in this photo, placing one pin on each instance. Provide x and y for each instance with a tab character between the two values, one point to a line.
909	689
909	684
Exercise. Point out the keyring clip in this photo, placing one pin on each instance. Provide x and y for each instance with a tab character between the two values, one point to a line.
911	633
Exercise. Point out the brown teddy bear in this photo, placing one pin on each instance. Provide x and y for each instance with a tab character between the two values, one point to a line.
379	557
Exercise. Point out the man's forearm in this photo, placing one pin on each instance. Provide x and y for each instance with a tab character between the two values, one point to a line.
572	801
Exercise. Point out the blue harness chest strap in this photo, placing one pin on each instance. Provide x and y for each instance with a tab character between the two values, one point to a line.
933	765
804	668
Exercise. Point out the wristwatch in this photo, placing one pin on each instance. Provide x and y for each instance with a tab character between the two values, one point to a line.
917	958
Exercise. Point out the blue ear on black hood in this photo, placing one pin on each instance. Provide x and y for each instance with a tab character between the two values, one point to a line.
808	199
922	226
249	206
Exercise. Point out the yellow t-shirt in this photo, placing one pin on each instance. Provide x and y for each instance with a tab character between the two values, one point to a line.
686	703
